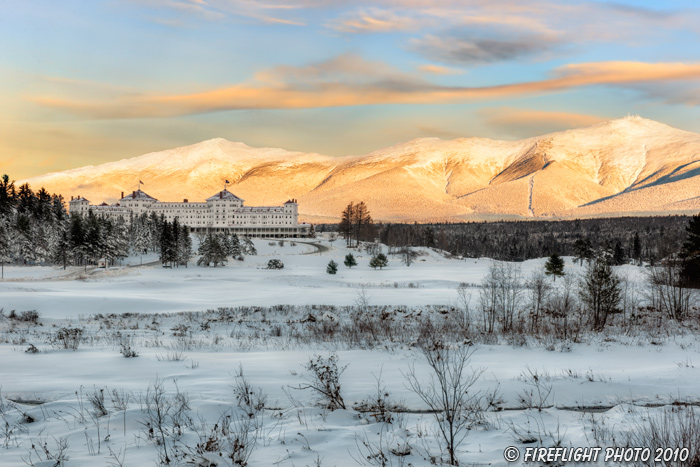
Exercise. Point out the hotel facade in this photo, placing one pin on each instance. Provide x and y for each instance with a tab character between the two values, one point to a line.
222	212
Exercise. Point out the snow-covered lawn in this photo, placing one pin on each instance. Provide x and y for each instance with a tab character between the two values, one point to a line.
591	393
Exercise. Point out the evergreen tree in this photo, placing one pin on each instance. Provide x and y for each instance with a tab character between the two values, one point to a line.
8	196
235	246
247	247
167	244
120	240
211	251
93	238
583	249
690	253
5	243
350	260
175	233
362	223
184	246
428	237
554	266
637	249
77	239
62	250
345	226
600	292
619	256
140	234
379	261
332	267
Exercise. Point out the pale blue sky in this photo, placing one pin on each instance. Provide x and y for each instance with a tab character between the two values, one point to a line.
89	82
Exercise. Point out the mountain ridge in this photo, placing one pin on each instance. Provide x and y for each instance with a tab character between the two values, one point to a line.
629	165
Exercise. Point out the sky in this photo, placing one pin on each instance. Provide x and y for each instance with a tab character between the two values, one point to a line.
87	82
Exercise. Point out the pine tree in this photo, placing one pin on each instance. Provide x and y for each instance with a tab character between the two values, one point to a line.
212	251
619	256
184	246
690	253
379	261
5	243
345	226
583	250
428	237
600	292
362	222
62	251
332	267
8	196
166	244
637	249
350	260
77	239
554	266
235	246
247	247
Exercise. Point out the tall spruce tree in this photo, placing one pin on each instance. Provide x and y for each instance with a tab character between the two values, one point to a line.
690	253
554	266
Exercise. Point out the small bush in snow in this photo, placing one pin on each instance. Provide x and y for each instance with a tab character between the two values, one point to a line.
67	338
126	349
379	405
275	264
248	397
350	260
332	267
324	379
379	261
675	426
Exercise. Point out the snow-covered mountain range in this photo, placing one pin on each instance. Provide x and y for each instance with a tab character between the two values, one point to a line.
626	166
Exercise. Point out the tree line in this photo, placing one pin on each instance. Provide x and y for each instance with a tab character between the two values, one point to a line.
35	228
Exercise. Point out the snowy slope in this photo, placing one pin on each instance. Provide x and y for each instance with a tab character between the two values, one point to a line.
617	167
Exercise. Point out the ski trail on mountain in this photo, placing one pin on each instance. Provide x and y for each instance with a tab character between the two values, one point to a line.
529	204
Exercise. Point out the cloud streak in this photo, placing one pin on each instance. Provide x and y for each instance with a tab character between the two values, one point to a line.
349	80
523	123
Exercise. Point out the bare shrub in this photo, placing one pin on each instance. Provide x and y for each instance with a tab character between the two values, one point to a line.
668	290
164	418
537	395
600	292
448	393
232	439
673	427
248	397
126	347
31	316
67	338
323	378
379	405
58	455
97	400
538	288
500	294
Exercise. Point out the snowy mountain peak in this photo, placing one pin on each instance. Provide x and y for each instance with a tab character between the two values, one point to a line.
624	166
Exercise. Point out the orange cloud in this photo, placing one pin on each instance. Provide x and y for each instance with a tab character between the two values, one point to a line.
439	70
375	20
336	84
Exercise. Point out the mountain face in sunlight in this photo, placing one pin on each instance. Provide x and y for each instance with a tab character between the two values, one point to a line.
626	166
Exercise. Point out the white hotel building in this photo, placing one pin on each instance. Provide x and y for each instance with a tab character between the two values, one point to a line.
223	212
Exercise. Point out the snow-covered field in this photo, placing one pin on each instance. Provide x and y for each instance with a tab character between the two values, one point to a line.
195	328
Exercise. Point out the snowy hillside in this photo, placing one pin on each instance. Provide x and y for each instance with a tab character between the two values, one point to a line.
617	167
